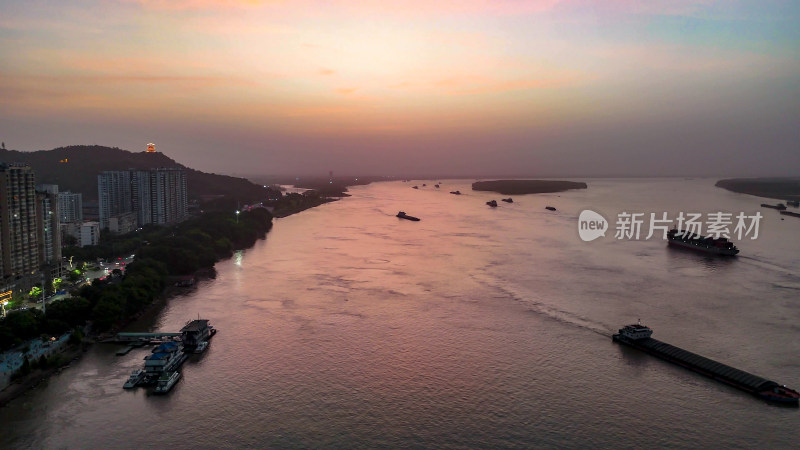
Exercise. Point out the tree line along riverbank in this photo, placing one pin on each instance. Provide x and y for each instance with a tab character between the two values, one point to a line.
777	188
106	305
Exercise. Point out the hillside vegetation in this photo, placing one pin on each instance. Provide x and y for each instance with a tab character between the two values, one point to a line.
75	168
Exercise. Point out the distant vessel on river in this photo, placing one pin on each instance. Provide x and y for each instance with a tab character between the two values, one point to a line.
686	239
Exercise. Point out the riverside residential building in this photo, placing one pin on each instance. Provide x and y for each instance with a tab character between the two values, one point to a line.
156	196
19	249
70	207
113	194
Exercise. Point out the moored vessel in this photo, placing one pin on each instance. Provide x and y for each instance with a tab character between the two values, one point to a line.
201	347
165	358
779	206
196	332
691	241
137	376
492	203
166	381
639	337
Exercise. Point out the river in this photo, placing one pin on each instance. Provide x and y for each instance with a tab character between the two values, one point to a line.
475	327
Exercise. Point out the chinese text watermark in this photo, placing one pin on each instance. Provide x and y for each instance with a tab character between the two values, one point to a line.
638	225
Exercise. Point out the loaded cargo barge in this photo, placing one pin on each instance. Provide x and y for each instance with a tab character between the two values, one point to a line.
638	336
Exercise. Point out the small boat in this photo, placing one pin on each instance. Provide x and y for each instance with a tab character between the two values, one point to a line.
492	203
455	192
436	186
166	381
550	208
136	377
795	203
201	347
403	215
508	200
415	187
779	206
423	184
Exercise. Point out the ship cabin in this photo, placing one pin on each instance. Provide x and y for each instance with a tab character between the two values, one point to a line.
196	331
636	331
162	357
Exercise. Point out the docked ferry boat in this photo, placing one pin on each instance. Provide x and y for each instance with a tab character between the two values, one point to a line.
166	381
165	358
686	239
195	332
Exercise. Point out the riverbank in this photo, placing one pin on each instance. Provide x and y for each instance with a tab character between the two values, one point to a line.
522	187
777	188
307	203
73	353
25	383
69	354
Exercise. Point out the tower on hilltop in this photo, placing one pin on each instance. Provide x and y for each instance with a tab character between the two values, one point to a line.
151	148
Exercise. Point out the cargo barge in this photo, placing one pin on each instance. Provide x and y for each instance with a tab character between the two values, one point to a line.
692	241
638	336
790	213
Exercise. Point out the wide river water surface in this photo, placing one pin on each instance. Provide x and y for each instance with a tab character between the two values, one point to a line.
475	327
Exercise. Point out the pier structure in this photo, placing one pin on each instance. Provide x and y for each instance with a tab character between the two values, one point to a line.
150	338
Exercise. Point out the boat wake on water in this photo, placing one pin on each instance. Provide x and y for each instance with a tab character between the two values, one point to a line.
540	307
768	266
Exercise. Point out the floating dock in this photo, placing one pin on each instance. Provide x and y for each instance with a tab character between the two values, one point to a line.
148	338
638	336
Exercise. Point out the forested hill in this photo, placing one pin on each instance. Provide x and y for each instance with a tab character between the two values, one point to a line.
75	168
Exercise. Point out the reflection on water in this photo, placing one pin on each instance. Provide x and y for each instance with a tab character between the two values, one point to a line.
474	327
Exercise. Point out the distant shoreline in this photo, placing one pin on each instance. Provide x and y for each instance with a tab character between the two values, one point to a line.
776	188
521	187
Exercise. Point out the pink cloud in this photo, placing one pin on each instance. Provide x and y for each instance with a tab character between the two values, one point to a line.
181	5
475	85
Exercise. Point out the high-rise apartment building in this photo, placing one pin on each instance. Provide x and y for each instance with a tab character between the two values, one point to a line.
70	207
142	206
114	194
156	196
168	200
19	250
48	232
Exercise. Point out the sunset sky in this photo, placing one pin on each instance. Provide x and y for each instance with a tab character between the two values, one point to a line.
460	87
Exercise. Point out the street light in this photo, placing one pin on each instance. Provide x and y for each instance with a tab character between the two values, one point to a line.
237	216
